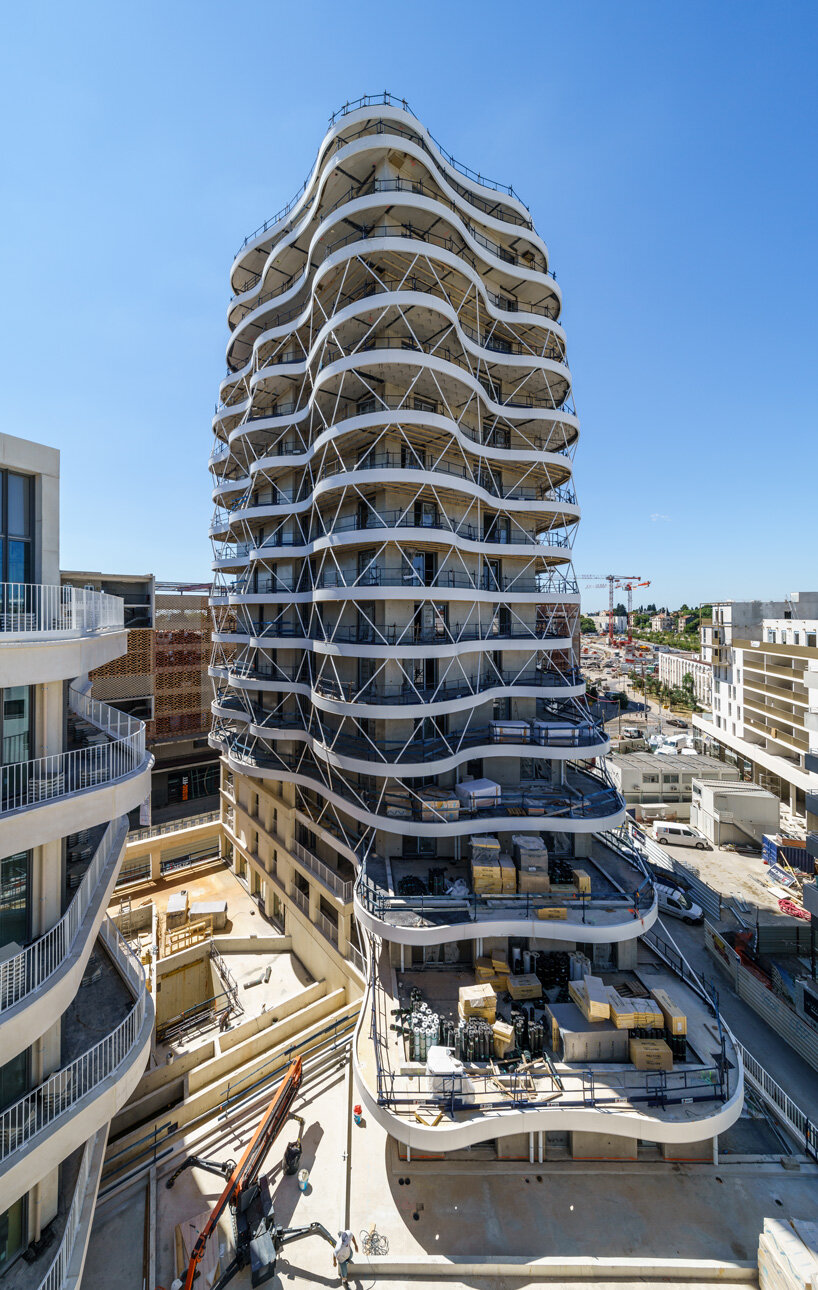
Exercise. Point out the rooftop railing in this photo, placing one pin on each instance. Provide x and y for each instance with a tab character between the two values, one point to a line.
33	967
32	611
388	100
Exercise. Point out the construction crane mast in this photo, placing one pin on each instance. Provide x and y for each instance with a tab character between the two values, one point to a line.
629	586
615	580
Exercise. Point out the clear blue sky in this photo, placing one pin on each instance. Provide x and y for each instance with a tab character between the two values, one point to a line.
667	152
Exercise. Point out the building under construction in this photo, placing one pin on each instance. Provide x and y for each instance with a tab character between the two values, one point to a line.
163	680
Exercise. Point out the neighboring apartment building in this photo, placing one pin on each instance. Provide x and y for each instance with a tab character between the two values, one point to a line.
674	667
397	698
662	623
762	654
601	621
75	1015
164	681
647	780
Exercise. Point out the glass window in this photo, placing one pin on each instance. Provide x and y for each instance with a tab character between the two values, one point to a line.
19	505
11	1232
16	527
14	898
13	1079
15	723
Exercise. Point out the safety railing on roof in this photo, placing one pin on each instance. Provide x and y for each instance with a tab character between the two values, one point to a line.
33	611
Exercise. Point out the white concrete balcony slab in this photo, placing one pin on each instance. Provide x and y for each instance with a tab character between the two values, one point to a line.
77	1100
49	797
38	983
53	633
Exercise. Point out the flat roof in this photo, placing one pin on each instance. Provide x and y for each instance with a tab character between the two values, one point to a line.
645	760
728	786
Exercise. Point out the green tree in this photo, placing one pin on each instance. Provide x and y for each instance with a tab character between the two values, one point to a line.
587	624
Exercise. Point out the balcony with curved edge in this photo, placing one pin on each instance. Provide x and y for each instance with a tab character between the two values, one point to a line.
337	156
38	983
66	1266
584	803
700	1099
391	640
54	633
68	1107
515	212
103	777
499	310
604	915
387	240
332	695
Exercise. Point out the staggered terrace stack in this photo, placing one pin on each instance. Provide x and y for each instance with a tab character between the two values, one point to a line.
395	611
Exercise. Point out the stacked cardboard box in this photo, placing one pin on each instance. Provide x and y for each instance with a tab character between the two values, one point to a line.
674	1019
435	805
582	882
591	997
503	1038
483	970
524	986
552	911
788	1255
531	860
477	1001
508	874
500	964
650	1055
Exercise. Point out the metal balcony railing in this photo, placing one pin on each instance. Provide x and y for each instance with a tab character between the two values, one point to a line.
406	694
44	1107
327	928
301	900
56	1276
44	959
33	611
46	779
173	826
339	886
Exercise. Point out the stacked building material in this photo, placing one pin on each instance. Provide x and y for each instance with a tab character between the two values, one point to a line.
486	874
591	997
531	861
582	882
675	1021
477	1001
508	874
504	1038
436	804
788	1255
524	986
650	1055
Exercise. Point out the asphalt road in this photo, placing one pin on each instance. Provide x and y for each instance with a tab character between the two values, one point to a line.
794	1075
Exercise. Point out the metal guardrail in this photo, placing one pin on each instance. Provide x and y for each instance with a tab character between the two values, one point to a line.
46	779
55	1277
33	967
340	887
34	611
581	1089
172	826
780	1103
44	1106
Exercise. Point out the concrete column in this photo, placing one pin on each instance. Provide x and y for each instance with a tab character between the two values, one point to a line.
155	859
46	886
344	931
315	902
48	717
626	952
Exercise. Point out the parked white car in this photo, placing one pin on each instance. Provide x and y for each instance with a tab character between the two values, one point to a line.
678	835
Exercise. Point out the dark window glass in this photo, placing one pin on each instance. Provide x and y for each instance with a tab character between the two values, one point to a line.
13	1079
19	505
11	1232
14	899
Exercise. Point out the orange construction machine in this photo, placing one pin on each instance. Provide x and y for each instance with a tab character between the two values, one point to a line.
247	1195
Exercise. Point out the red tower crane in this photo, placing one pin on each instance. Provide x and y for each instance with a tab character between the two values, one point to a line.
614	580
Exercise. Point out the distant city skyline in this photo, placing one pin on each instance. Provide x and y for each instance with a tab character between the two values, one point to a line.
644	154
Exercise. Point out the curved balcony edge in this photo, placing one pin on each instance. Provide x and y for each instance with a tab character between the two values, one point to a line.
482	823
67	1265
73	1103
39	983
632	925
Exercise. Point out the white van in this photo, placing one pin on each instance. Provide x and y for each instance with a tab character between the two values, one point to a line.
678	835
677	903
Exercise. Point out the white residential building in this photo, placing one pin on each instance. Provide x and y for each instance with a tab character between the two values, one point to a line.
674	667
662	623
75	1014
396	687
601	621
647	780
762	655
